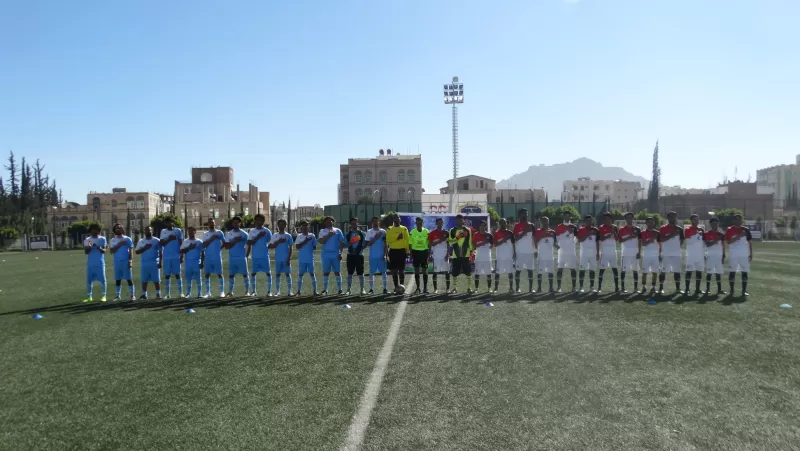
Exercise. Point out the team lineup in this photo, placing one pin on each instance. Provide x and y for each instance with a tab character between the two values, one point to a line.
582	250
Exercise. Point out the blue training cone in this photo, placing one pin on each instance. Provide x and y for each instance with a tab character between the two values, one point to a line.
652	302
37	316
189	310
346	306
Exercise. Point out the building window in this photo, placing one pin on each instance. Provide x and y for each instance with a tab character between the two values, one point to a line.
401	176
401	194
367	176
85	218
139	201
359	177
114	219
346	198
574	187
412	194
384	194
113	203
606	187
359	193
130	202
481	183
410	175
247	210
465	186
511	199
382	177
187	189
205	177
596	187
582	189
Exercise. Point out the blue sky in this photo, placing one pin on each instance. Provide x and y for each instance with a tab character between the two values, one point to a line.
134	93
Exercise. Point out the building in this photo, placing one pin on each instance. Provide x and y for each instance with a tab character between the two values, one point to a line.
475	184
212	193
467	203
387	177
754	201
585	189
134	210
470	184
678	190
785	182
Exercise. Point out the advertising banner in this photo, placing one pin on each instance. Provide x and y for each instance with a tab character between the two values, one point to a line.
37	242
472	220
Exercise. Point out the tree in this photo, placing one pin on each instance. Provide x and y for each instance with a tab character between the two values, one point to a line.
726	216
617	214
793	223
644	214
493	216
556	215
77	229
157	223
655	183
248	221
386	220
13	179
366	199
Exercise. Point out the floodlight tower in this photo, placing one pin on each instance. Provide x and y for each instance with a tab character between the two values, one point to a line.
454	94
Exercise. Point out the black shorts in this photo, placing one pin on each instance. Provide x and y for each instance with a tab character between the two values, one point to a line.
397	259
420	258
460	266
355	264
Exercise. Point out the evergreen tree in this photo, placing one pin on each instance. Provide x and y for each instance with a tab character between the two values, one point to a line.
655	183
13	179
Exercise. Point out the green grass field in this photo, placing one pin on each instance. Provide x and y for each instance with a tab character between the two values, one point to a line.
533	372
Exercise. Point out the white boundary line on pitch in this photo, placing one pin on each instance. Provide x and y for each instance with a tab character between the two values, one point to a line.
360	421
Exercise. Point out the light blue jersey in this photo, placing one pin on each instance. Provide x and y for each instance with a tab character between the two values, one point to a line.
194	254
172	247
333	246
121	255
377	250
150	256
282	249
306	253
260	239
239	249
213	245
95	258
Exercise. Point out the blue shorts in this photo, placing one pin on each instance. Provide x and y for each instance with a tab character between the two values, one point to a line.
259	265
95	273
283	268
213	267
331	264
307	267
377	266
122	272
192	271
172	267
237	266
150	273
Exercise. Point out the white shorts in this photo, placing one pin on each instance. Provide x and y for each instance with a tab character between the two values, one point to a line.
441	265
483	268
650	264
630	263
671	264
714	264
608	259
504	266
547	266
739	263
525	261
566	260
695	264
588	260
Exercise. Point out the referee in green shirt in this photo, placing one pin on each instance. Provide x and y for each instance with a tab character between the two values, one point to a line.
420	251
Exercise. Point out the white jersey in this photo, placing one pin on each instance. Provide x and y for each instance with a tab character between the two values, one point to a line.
651	249
483	253
671	247
546	243
609	243
630	247
695	248
715	250
565	237
739	247
504	251
524	242
590	243
439	251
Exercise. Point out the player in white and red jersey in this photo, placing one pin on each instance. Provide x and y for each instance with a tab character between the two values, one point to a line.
590	250
714	240
523	242
504	255
608	236
695	254
740	250
651	253
482	240
631	250
671	242
437	241
565	243
544	240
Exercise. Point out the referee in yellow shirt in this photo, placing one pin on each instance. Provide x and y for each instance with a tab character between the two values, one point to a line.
420	251
397	241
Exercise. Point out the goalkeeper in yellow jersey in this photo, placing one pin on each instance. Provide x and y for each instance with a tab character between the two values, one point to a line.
460	240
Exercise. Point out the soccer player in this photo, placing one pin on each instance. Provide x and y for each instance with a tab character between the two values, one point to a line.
306	242
122	249
715	255
590	250
544	240
740	249
282	243
332	241
460	239
567	257
651	253
376	242
397	240
171	240
236	243
695	254
437	242
356	239
420	253
482	240
504	255
95	248
608	235
671	236
631	250
213	240
149	248
192	248
523	239
258	243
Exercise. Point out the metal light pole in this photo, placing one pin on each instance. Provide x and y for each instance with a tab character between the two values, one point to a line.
410	195
453	95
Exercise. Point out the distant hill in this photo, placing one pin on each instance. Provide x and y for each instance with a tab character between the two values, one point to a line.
552	177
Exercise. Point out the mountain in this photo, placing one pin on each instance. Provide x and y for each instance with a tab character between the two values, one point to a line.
552	177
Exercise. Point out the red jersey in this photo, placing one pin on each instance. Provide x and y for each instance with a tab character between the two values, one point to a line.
544	233
626	231
608	233
691	231
712	236
587	233
437	235
566	228
479	238
503	246
650	236
502	236
523	235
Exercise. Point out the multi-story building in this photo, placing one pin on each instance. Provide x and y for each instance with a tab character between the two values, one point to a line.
785	182
469	184
677	190
754	200
134	210
387	177
475	184
585	189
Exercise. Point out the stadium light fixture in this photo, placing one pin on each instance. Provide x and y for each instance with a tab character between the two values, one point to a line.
453	95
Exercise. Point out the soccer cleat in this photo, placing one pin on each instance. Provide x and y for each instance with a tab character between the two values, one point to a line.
371	291
471	291
511	291
417	291
87	300
158	297
385	291
339	293
346	293
143	297
454	291
362	292
116	299
103	299
200	296
625	291
316	293
229	295
582	291
183	296
744	293
519	291
298	294
425	291
133	298
597	291
324	292
207	296
290	294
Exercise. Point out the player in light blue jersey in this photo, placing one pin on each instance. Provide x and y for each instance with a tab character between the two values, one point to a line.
376	242
332	241
306	242
258	246
282	243
236	243
192	249
212	243
149	248
95	248
122	249
171	241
